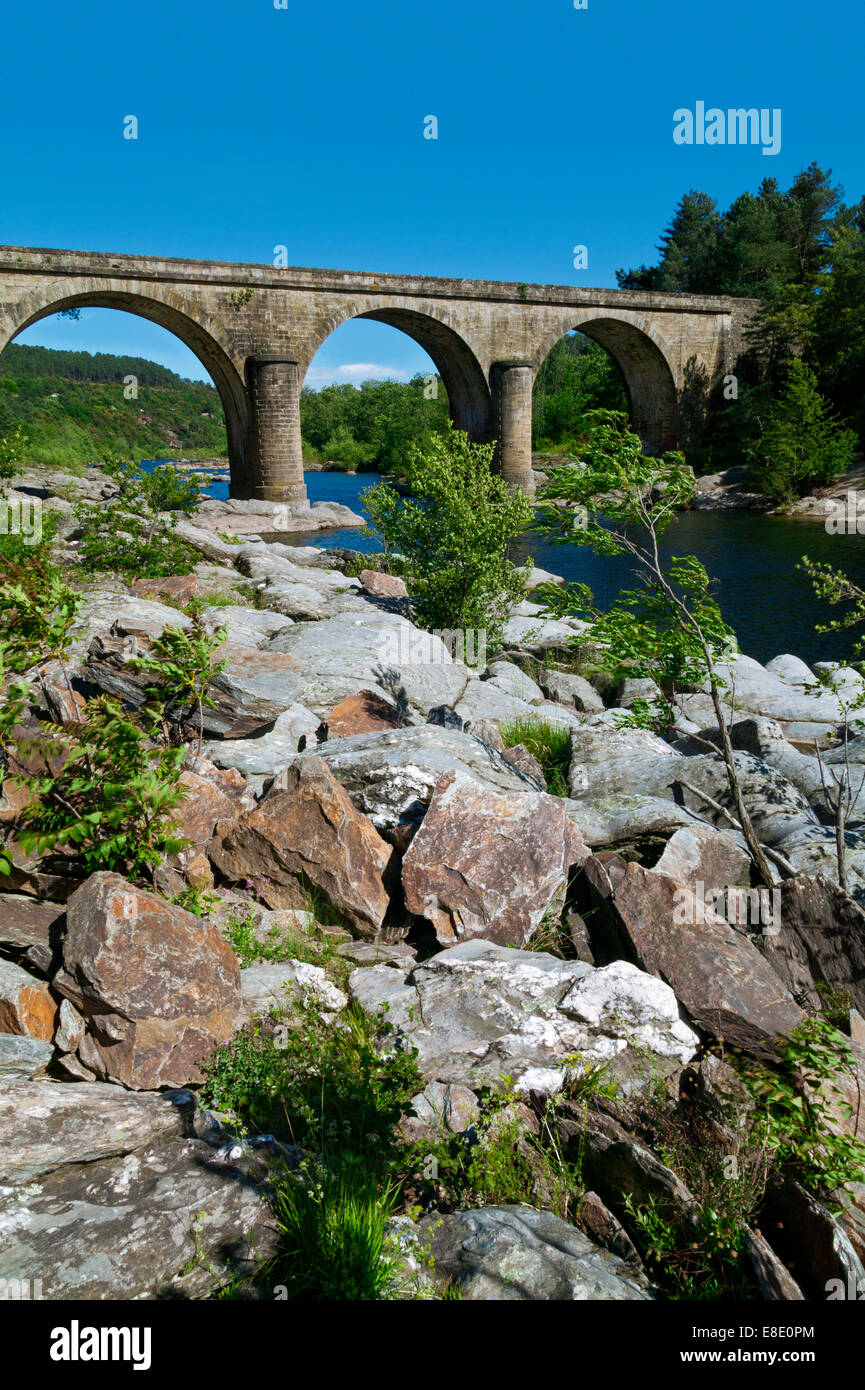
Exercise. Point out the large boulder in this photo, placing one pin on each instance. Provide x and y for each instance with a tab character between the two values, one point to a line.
103	1197
49	1125
480	1011
22	1059
306	831
390	775
517	1254
376	651
159	988
718	975
820	940
489	863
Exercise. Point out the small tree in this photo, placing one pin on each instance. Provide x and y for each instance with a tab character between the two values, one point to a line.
800	445
842	783
453	534
671	630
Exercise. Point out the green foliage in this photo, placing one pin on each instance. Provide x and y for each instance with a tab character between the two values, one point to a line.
182	660
131	533
802	253
72	407
800	445
328	1088
281	943
549	743
502	1163
103	793
333	1235
373	424
662	630
453	533
12	448
576	376
342	447
38	609
796	1105
701	1262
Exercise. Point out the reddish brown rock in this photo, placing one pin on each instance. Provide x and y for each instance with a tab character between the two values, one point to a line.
306	831
172	588
716	972
26	1007
383	585
820	939
519	757
362	713
158	987
487	863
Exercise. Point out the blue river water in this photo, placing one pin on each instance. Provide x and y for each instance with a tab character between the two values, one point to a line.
767	601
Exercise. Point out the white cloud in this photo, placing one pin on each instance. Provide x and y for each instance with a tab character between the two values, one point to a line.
353	373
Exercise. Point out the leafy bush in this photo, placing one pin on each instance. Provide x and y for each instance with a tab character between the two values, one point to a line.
453	533
182	660
12	446
102	792
328	1088
794	1104
133	532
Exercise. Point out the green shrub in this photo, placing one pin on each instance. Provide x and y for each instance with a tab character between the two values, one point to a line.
133	533
329	1088
102	792
801	445
453	533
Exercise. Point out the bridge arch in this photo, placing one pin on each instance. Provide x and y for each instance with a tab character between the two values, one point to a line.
467	388
177	320
645	361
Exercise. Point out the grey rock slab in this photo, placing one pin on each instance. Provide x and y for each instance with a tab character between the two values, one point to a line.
270	988
377	651
517	1254
488	700
48	1124
513	681
538	634
791	669
147	1224
567	688
479	1011
250	627
21	1059
391	774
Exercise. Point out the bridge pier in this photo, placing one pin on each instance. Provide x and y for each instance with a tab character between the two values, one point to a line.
274	464
511	383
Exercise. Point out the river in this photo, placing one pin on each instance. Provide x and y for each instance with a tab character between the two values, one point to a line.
765	599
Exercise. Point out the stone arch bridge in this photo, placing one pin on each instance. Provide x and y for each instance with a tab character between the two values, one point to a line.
256	328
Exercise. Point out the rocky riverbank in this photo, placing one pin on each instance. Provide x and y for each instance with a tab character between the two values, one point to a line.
728	491
352	760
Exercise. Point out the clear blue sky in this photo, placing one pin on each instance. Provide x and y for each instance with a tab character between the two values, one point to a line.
304	127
